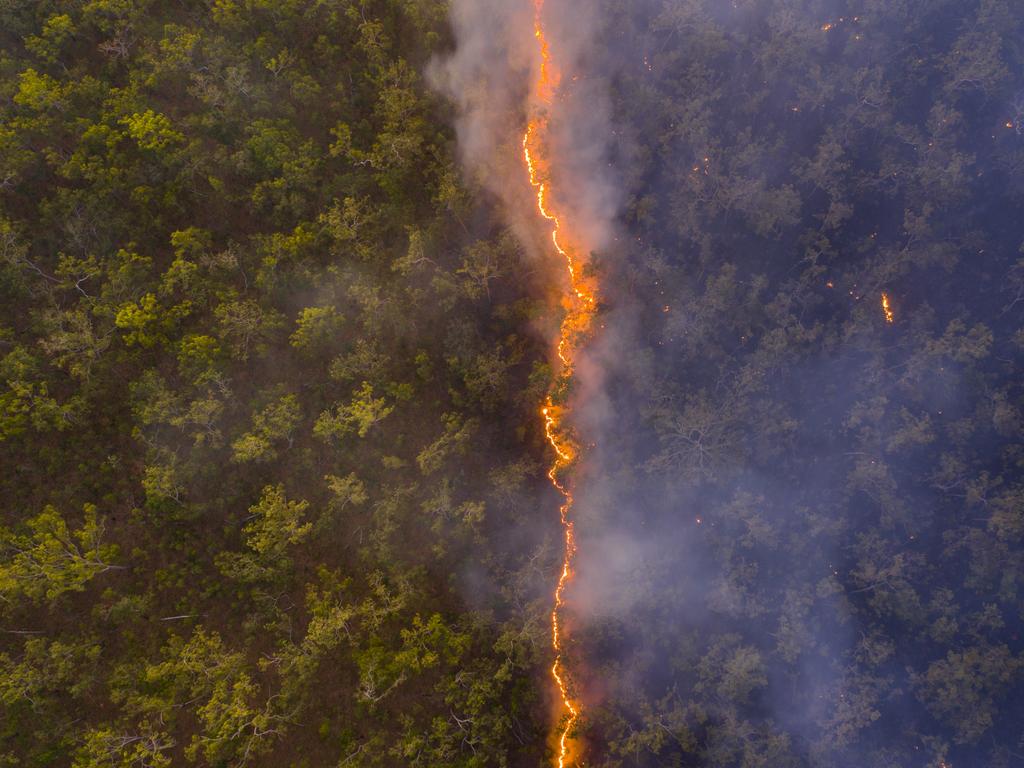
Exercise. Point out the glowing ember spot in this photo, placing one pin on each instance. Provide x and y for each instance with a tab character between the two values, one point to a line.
580	304
887	309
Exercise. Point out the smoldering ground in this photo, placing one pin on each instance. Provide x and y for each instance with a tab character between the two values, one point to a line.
794	526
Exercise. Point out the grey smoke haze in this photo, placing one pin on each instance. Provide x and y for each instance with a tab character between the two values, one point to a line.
490	78
486	78
760	445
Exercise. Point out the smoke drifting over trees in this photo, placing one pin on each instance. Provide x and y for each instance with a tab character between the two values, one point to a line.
800	558
276	312
490	77
793	546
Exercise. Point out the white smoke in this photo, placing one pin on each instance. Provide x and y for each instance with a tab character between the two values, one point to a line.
489	79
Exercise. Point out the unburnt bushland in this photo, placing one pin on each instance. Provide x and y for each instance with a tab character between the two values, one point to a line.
267	398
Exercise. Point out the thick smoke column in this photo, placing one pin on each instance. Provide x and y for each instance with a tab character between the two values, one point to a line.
492	77
562	152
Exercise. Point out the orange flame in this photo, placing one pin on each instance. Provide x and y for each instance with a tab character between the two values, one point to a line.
580	304
887	309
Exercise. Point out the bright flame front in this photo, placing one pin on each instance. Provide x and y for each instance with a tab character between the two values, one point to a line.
580	305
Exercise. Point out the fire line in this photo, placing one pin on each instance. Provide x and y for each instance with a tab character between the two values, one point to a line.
580	304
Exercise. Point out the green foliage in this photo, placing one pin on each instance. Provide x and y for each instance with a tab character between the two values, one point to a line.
224	273
57	30
152	131
246	325
316	329
141	321
38	92
232	724
107	748
359	416
275	525
25	400
198	355
273	425
47	670
49	558
962	688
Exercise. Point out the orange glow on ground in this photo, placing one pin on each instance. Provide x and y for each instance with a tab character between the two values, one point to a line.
580	303
887	309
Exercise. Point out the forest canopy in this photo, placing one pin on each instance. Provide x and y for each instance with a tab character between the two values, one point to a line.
272	471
